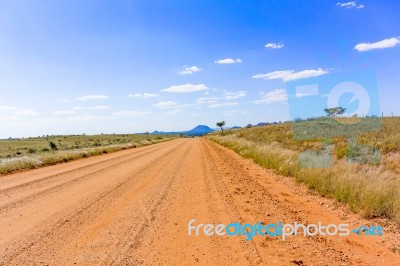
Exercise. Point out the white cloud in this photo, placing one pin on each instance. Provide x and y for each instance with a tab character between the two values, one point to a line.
234	95
93	97
185	88
130	113
215	101
273	75
25	112
79	108
274	45
287	75
174	112
306	74
277	95
86	118
386	43
189	70
164	105
194	114
222	104
8	118
99	107
14	112
63	112
351	4
228	61
143	95
7	108
65	100
207	100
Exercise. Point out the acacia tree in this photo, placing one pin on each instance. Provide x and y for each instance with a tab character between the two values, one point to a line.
334	111
221	124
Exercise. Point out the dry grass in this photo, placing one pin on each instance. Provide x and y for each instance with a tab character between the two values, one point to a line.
30	161
27	146
372	190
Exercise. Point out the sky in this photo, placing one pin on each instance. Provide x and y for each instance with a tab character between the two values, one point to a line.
85	66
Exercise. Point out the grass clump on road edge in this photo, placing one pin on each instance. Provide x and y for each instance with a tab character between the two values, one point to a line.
371	191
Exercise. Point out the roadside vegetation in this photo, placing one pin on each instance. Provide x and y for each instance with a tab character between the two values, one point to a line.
370	187
29	153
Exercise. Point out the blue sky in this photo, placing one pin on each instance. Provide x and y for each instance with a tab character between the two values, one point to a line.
131	66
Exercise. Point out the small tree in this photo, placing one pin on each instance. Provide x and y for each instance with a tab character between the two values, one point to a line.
221	124
334	111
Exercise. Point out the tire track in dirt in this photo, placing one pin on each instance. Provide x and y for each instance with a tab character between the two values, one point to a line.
215	172
148	204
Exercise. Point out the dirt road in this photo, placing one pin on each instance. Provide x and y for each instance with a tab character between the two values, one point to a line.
133	207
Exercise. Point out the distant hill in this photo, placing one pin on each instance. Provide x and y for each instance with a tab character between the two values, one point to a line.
199	130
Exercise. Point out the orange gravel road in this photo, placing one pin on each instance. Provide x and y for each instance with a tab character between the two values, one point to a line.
133	207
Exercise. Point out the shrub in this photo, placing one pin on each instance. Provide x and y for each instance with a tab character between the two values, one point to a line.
53	146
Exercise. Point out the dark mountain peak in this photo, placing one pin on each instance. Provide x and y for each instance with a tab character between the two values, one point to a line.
201	129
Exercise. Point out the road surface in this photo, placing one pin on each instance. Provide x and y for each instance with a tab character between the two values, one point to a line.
133	207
